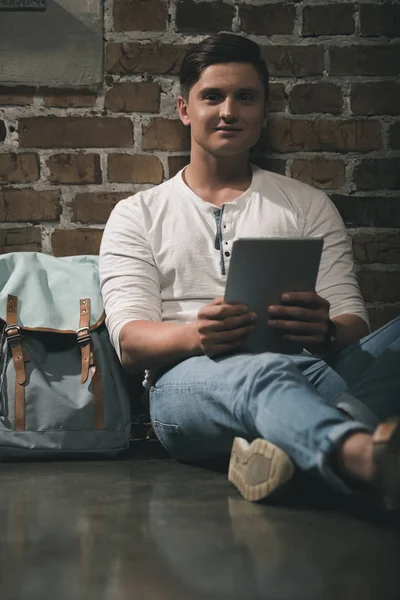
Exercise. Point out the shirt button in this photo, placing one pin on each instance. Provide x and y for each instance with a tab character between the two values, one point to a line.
227	253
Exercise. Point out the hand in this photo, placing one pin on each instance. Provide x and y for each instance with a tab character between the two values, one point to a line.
222	328
302	318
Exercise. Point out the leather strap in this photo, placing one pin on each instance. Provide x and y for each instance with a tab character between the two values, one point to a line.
88	362
13	334
83	335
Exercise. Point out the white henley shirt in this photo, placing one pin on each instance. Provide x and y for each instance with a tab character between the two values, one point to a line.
159	260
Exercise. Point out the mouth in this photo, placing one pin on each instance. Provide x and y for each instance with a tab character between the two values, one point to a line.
228	129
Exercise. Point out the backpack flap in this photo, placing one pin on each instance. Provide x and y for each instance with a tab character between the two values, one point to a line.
49	290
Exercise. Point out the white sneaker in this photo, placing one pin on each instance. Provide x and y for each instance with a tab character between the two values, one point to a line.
259	468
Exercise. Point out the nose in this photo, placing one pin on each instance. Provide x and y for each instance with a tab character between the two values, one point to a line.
228	110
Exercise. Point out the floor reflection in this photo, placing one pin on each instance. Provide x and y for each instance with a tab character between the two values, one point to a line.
237	549
163	531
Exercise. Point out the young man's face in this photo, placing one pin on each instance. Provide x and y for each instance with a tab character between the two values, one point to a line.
226	109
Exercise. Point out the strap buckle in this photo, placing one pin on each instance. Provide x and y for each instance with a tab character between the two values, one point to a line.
13	337
85	338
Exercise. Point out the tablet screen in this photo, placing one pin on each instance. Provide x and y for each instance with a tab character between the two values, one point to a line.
260	271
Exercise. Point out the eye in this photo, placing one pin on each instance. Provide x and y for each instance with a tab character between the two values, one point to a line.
212	97
246	97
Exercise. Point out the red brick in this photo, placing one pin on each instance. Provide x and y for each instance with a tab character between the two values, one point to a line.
277	97
380	19
381	98
133	97
3	131
68	99
128	58
378	174
268	19
316	97
140	15
165	134
95	207
365	60
75	132
380	315
328	19
379	285
377	247
319	172
74	169
127	168
371	211
18	168
73	242
286	135
203	16
176	163
16	96
24	239
294	61
394	136
29	205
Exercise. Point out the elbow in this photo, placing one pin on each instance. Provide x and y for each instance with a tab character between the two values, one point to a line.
129	359
129	363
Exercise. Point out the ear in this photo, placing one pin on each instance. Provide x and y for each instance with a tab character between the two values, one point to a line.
183	110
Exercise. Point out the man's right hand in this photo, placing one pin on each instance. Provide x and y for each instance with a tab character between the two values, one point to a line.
222	328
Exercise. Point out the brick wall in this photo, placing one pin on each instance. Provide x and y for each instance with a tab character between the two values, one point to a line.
68	156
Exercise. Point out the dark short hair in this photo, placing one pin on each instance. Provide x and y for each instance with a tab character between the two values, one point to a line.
221	48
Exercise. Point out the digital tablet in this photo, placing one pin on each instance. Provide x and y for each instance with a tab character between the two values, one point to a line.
260	271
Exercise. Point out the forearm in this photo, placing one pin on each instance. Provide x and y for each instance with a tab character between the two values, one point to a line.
150	345
349	329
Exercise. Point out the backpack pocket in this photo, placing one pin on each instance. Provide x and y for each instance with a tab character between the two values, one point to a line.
55	398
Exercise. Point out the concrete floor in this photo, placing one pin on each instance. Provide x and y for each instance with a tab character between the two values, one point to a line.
158	530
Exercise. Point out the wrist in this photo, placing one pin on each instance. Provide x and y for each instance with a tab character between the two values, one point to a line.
330	336
193	345
329	345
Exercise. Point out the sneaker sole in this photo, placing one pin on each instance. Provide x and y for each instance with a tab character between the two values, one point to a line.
258	469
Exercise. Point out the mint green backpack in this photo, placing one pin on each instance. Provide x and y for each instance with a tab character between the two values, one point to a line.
62	387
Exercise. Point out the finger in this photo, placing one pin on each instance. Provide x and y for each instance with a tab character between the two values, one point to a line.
304	340
225	337
230	323
311	299
222	311
216	301
297	313
298	327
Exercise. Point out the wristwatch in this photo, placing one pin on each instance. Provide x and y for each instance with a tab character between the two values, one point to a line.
330	335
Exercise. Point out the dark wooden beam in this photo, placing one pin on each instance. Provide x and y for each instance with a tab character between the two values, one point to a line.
23	4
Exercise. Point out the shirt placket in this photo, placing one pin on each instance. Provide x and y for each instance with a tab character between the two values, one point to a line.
224	235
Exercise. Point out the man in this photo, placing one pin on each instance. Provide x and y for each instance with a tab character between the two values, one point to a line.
163	263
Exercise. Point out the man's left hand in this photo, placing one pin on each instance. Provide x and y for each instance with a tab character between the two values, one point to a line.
303	317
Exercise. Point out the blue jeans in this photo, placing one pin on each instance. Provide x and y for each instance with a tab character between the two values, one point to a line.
298	402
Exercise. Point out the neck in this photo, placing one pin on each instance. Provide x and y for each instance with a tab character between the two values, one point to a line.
207	171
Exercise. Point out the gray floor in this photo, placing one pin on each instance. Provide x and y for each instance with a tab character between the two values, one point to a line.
155	529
